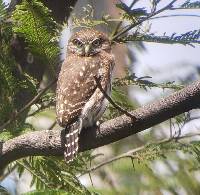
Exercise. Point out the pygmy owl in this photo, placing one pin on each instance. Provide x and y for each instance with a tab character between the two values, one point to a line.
80	103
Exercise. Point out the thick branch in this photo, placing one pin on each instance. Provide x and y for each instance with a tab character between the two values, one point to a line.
49	142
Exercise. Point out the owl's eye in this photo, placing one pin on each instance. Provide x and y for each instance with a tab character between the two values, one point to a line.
97	42
77	43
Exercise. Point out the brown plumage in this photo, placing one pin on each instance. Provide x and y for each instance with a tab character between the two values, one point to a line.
80	103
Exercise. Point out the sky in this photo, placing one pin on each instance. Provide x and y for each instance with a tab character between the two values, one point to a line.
166	62
158	54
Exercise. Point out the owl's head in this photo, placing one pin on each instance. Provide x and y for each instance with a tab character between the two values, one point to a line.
88	42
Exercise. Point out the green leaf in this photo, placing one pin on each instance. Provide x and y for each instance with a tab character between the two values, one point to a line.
191	5
3	191
50	172
144	83
47	192
188	38
2	11
33	21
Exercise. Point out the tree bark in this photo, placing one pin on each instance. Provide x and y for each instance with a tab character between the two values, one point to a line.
50	142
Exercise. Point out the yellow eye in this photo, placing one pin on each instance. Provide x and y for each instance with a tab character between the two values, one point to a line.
77	43
97	42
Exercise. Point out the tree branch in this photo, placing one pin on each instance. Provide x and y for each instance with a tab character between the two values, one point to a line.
28	105
47	142
133	153
110	100
167	7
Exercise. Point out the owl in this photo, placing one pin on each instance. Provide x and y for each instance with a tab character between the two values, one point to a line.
79	101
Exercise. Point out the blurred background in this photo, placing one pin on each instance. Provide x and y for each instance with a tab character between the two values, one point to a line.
158	63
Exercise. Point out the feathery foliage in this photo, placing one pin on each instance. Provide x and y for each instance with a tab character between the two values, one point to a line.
191	5
49	192
144	83
3	191
10	84
33	22
53	173
187	38
49	173
2	11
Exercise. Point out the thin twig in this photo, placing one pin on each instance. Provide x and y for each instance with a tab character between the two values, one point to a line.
175	15
2	177
131	153
143	20
116	29
30	103
42	108
120	23
133	3
125	155
39	143
112	101
183	8
26	165
52	125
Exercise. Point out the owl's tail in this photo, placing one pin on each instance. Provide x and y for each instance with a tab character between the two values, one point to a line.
71	141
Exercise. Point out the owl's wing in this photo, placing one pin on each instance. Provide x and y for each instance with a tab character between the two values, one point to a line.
78	97
76	87
97	103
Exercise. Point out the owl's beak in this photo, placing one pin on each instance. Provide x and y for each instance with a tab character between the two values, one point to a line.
87	50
